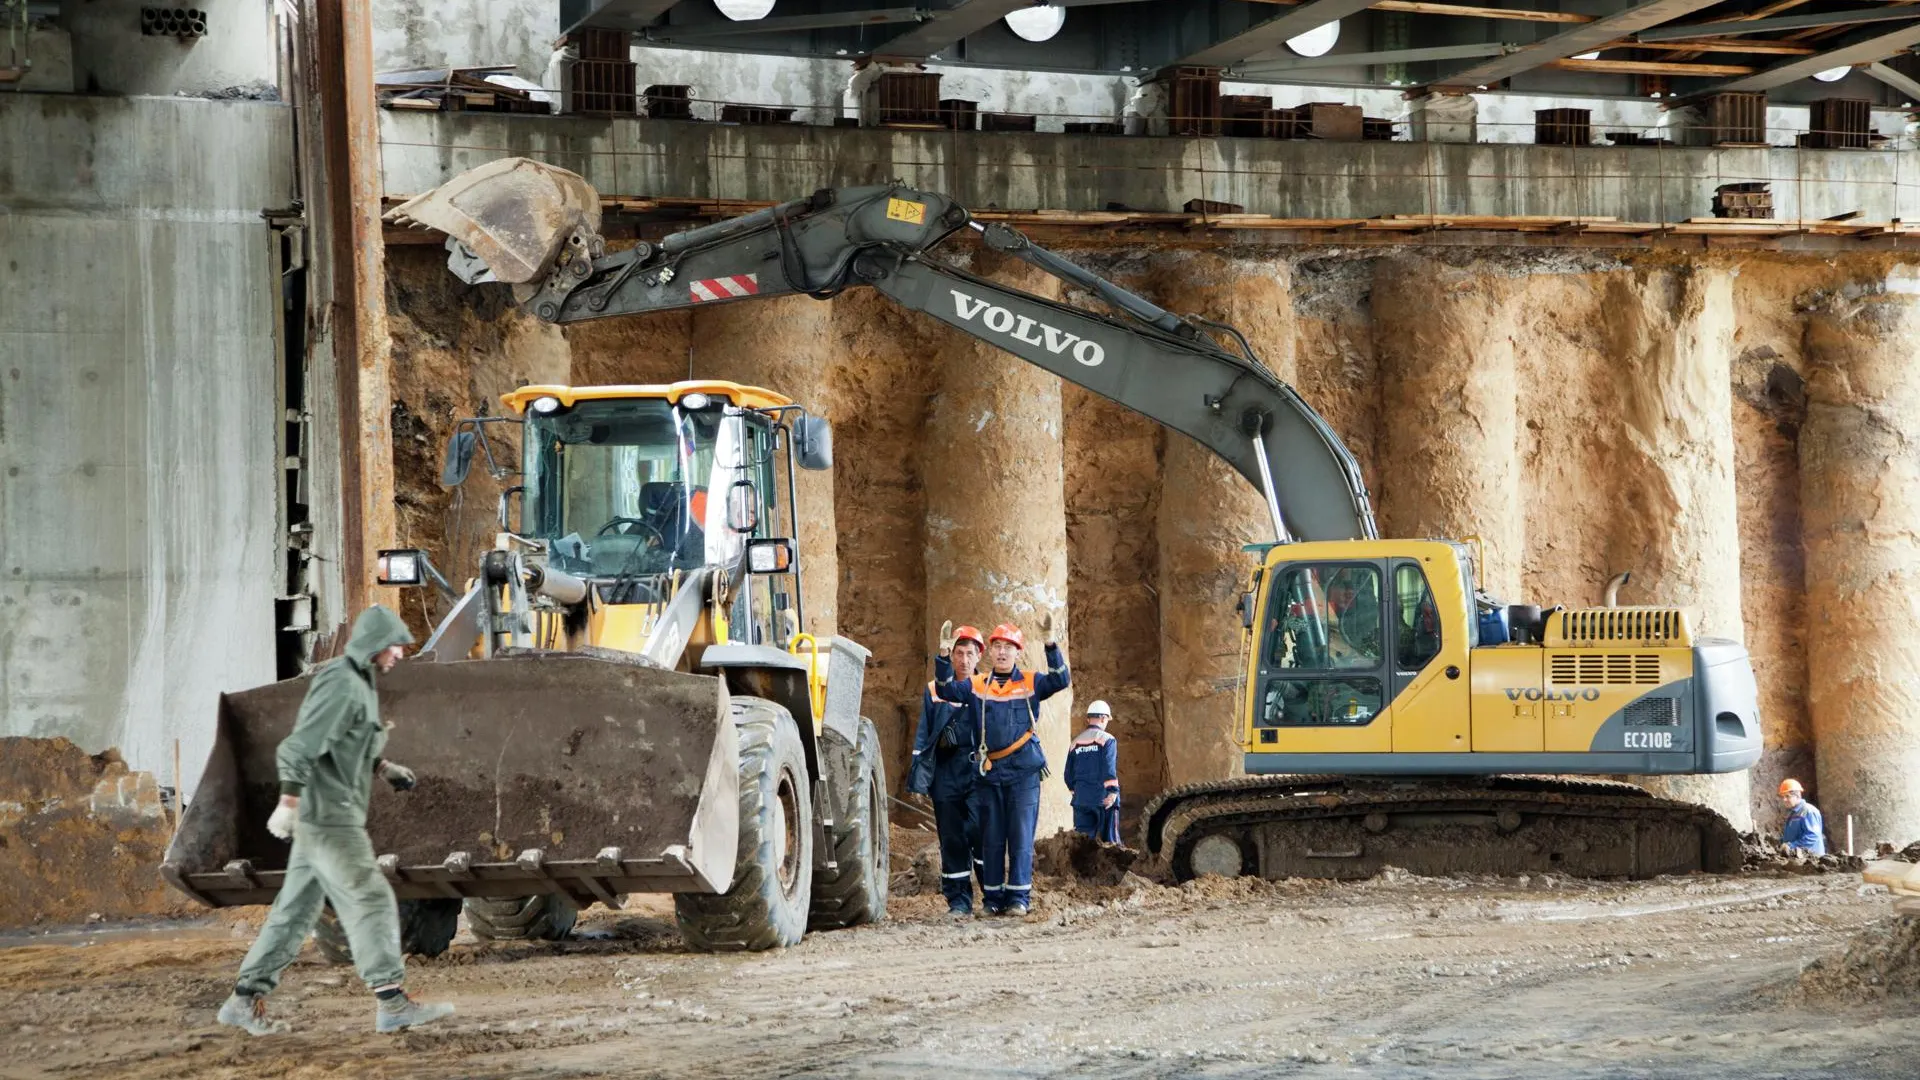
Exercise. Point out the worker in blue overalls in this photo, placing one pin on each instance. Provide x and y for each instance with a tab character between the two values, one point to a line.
1006	795
942	770
1093	774
1804	830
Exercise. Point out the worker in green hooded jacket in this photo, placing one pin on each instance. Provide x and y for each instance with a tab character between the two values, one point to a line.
327	766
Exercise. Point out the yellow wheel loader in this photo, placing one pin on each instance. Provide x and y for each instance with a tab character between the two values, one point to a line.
620	702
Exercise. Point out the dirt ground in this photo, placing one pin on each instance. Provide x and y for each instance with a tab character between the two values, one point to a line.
1398	977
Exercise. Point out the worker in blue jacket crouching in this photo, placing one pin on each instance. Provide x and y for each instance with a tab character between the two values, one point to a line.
1006	795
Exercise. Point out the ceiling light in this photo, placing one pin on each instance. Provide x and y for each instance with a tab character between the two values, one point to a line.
1037	23
744	10
1317	41
1832	74
1594	55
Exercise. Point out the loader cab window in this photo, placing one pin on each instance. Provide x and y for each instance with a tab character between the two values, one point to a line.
1323	656
620	487
763	607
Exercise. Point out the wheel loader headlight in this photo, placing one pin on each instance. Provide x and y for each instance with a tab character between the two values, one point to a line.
403	567
695	402
773	556
546	406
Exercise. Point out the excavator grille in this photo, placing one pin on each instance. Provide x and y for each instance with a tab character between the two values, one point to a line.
1645	626
1603	669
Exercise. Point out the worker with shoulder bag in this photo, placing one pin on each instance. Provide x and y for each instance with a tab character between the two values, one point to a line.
1008	758
943	770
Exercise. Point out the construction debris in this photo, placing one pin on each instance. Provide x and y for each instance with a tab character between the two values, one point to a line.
1759	854
1882	961
81	836
479	89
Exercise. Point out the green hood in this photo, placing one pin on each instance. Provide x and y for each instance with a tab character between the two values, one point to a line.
377	627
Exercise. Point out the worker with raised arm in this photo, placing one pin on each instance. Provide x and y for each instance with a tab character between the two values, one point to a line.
1008	757
1804	829
327	767
1093	775
942	770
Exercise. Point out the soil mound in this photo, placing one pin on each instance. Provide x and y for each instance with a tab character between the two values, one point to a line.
1077	855
1761	854
1883	961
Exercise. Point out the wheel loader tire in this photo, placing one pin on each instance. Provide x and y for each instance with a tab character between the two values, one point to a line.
548	917
854	889
426	929
766	907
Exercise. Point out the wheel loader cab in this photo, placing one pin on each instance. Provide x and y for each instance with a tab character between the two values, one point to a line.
630	488
1367	657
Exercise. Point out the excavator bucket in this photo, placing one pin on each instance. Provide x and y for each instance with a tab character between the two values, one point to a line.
538	773
515	214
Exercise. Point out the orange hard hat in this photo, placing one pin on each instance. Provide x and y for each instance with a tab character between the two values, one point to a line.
1791	785
1008	633
969	633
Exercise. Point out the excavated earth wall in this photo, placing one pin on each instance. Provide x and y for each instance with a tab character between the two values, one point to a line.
1721	425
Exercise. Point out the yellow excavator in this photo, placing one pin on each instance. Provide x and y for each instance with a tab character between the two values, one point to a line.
1392	712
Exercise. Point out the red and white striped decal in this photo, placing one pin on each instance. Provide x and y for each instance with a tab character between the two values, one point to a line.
724	288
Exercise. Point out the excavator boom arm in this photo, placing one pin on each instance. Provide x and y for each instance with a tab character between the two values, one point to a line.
1143	357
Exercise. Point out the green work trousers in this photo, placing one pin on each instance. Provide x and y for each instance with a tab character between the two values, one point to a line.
329	864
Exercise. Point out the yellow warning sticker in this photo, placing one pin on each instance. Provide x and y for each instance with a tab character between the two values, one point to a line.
907	210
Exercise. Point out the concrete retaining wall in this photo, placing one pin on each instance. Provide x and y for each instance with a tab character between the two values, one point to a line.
1300	179
138	398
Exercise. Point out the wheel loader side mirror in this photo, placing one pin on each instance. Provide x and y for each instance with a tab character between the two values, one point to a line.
1245	608
743	506
813	437
459	459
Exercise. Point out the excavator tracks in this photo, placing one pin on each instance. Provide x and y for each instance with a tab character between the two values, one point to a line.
1349	827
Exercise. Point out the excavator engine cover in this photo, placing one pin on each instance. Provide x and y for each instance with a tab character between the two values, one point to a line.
538	773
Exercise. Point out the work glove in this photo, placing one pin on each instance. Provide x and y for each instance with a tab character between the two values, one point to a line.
1046	627
946	637
285	817
1107	803
399	776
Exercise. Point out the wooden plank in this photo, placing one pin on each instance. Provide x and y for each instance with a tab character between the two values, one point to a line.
1739	45
1649	67
1421	7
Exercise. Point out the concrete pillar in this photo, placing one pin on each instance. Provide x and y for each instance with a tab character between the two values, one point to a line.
1207	512
1674	522
786	346
996	523
1860	492
1449	420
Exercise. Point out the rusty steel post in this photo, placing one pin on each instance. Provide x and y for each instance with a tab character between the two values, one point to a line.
350	153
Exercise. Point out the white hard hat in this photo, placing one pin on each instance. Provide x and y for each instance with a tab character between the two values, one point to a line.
1099	708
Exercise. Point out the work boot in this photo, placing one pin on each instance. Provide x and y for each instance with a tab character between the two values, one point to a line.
400	1011
248	1012
959	910
1016	910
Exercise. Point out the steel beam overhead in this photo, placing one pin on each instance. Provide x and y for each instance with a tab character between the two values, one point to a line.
1270	35
790	23
947	26
1255	69
1894	79
1784	22
1584	38
617	14
1863	51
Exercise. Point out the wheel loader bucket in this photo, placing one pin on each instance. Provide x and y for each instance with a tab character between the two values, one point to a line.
538	773
515	214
